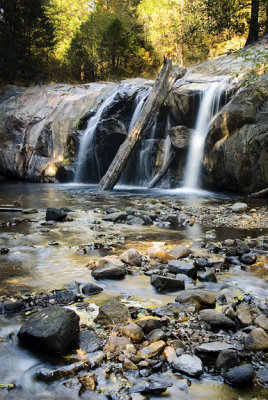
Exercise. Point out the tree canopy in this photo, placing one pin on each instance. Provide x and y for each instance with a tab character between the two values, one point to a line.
88	40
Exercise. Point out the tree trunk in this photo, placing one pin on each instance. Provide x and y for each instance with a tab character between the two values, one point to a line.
254	23
163	170
156	98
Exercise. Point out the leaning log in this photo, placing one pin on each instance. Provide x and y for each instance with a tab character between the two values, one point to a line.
163	170
162	86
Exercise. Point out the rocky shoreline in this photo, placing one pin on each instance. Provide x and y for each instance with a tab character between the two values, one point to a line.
205	332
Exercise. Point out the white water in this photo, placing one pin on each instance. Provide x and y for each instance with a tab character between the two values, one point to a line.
138	104
209	107
86	145
167	143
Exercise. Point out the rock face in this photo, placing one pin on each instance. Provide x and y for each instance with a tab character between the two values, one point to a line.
52	330
180	137
237	145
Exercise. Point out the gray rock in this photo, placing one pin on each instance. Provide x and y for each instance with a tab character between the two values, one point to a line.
65	297
262	322
90	289
201	298
136	221
181	267
109	268
262	377
131	257
244	374
244	316
207	276
88	341
115	217
149	324
54	214
47	375
214	348
201	263
239	207
174	309
227	359
257	340
180	136
10	307
156	335
53	330
248	258
112	312
162	283
189	365
181	252
116	344
217	320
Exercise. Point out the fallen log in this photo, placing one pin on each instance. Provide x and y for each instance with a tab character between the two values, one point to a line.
261	193
162	171
162	86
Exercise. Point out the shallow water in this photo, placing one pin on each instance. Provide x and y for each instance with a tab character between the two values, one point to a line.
33	265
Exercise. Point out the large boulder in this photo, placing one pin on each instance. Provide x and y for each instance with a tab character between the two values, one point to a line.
52	330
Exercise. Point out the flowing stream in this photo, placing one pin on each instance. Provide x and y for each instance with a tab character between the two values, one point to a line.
209	107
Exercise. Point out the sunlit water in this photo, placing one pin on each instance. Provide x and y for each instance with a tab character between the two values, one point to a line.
33	265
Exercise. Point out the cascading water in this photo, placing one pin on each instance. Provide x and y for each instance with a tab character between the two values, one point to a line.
86	146
209	107
167	142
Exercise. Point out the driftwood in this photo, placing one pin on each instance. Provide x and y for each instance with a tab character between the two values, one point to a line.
162	171
261	193
162	86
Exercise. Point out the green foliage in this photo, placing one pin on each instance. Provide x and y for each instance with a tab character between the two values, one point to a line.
26	38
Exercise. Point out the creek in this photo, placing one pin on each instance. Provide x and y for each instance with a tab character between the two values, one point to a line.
33	265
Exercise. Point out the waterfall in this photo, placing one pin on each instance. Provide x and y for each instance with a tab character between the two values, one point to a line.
209	107
86	146
167	142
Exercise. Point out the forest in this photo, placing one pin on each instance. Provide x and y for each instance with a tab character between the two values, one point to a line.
60	41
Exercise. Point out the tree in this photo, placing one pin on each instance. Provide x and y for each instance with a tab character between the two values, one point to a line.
26	38
254	22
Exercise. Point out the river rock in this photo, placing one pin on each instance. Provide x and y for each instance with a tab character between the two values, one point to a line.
112	312
181	252
46	375
162	283
201	263
134	332
262	377
152	350
91	289
156	335
115	344
115	217
227	359
173	309
149	324
244	316
131	257
53	330
201	298
109	267
129	365
214	348
88	341
262	322
248	258
10	307
240	247
239	207
257	340
230	313
65	297
244	374
54	214
181	267
217	320
208	276
189	365
156	253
